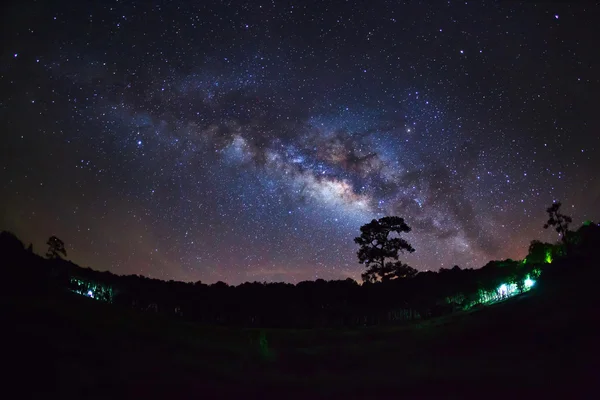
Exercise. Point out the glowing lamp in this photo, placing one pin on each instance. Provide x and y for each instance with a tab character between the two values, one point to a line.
503	289
90	294
529	283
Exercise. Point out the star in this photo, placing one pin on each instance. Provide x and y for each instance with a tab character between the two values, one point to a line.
257	154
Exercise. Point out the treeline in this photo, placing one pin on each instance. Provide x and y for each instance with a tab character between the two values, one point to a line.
307	304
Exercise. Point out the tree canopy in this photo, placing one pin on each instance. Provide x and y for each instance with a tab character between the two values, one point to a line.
379	251
559	221
56	247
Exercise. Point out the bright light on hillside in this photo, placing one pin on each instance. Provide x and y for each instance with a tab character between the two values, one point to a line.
529	283
503	289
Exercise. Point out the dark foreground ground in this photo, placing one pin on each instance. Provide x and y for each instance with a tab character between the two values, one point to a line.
544	343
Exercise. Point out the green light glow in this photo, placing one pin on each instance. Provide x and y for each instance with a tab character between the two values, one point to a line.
548	258
92	290
528	283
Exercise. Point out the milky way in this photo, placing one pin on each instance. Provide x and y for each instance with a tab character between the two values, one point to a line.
250	141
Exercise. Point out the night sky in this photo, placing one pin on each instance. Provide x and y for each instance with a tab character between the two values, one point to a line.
250	141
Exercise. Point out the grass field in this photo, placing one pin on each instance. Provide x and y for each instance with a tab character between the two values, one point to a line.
540	343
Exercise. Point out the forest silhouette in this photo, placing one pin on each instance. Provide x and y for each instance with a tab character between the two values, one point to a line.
392	292
528	324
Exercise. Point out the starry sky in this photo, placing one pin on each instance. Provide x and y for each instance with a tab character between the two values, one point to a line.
249	141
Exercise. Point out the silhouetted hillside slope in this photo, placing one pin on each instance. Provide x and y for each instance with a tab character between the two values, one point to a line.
541	342
60	340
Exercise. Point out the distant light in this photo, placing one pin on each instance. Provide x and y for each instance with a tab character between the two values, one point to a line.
556	16
16	54
139	142
90	294
503	288
529	283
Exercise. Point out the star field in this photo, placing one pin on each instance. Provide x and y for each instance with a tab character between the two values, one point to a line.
250	140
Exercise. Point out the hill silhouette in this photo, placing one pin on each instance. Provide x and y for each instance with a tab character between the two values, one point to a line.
140	337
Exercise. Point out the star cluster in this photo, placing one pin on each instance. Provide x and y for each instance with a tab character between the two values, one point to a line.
248	141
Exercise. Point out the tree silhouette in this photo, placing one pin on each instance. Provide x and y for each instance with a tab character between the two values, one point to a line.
56	247
559	221
377	247
541	253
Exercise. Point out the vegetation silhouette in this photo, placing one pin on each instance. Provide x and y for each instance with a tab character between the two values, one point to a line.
559	222
540	252
56	248
377	247
411	333
393	293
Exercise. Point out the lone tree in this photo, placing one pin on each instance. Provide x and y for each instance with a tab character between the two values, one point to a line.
378	249
559	221
56	247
